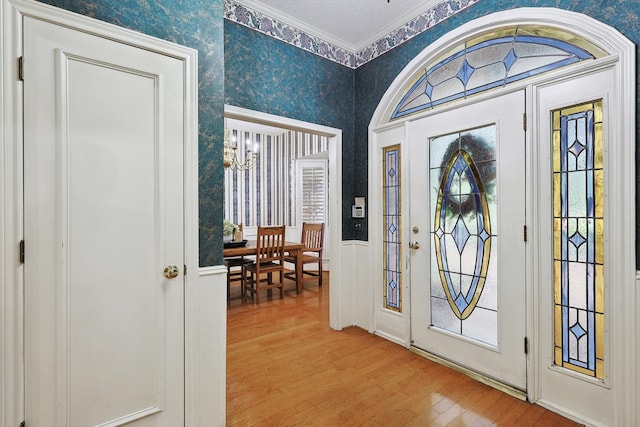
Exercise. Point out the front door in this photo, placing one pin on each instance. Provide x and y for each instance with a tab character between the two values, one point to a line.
103	200
467	215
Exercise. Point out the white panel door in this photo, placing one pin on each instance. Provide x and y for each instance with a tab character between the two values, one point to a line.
103	197
467	213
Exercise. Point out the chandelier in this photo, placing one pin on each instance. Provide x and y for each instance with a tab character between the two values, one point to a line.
231	158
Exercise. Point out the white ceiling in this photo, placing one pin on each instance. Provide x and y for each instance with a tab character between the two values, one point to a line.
350	24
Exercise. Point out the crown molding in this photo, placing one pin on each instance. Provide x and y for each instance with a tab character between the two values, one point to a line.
274	23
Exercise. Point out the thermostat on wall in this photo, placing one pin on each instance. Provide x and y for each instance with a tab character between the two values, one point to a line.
357	211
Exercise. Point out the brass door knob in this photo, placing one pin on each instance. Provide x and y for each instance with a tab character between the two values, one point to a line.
171	271
414	245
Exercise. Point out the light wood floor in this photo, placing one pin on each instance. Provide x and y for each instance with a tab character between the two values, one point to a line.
286	367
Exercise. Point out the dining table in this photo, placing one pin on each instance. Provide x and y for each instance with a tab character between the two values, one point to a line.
249	248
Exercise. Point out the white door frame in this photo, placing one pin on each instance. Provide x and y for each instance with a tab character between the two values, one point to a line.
337	317
204	328
622	268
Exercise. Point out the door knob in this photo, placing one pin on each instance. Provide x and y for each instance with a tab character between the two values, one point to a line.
171	271
414	245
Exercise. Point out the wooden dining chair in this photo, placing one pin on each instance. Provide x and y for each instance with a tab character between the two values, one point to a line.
312	237
235	273
269	260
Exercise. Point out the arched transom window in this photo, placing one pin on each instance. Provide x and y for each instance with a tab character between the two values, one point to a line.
491	61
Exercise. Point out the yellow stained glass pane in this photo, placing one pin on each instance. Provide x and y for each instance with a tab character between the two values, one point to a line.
598	144
598	189
558	327
600	369
597	112
557	282
556	123
558	358
579	369
600	336
576	109
557	228
599	294
501	32
556	195
599	241
556	151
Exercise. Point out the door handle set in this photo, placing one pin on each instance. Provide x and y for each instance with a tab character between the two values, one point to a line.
171	271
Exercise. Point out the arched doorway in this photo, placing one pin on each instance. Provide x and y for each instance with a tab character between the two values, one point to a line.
484	228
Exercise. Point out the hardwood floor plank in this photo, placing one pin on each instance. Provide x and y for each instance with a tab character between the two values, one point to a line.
286	367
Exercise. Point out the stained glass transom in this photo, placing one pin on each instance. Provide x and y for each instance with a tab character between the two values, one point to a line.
491	61
392	226
578	215
464	240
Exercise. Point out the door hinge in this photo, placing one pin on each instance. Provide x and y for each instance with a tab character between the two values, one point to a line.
526	345
185	269
21	251
524	233
22	424
524	121
21	68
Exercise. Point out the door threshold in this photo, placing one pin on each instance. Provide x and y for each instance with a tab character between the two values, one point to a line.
491	382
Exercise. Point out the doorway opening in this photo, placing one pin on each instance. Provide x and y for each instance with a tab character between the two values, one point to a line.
268	123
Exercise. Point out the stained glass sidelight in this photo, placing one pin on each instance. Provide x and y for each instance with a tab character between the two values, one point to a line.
392	240
578	238
464	239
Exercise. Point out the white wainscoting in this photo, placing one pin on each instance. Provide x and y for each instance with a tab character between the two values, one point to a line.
206	347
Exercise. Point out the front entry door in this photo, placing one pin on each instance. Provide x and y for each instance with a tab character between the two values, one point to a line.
103	200
467	214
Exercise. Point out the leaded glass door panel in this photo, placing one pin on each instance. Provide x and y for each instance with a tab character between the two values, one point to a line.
467	203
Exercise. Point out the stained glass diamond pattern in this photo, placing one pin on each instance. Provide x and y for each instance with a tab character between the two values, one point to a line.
460	234
510	59
577	239
428	90
392	229
465	72
577	148
578	331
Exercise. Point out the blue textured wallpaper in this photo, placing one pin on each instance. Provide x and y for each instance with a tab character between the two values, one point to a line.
373	78
264	74
261	73
196	24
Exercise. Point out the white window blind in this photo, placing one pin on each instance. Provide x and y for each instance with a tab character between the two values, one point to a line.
312	190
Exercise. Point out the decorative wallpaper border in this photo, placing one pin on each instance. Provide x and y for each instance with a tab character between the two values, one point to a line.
258	21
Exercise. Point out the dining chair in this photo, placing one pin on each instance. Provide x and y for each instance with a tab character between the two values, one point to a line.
312	237
235	273
269	260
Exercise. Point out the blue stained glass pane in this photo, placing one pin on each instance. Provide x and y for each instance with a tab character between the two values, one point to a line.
460	234
578	331
465	72
510	59
577	240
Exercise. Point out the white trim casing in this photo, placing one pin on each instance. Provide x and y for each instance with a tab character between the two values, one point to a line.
620	196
